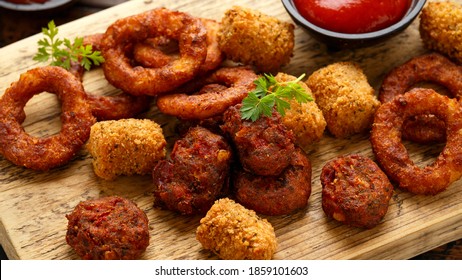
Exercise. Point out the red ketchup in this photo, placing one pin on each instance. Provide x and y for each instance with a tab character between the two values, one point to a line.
353	16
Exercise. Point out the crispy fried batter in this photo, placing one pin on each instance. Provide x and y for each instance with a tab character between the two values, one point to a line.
355	191
192	40
345	97
306	119
393	155
216	99
276	195
150	53
253	38
125	147
441	28
234	232
196	174
44	153
264	147
108	228
110	107
432	67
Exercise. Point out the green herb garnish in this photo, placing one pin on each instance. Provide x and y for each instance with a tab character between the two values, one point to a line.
270	93
63	52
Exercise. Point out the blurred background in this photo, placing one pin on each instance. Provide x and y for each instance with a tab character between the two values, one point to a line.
21	21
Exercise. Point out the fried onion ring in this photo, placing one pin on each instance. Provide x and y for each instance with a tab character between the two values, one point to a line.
431	67
148	53
212	99
47	152
155	52
392	154
187	30
121	106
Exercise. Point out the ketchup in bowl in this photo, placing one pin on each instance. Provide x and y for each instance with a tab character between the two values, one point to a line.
353	16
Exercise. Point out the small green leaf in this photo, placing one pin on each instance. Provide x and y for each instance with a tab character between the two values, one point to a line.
267	104
281	106
249	109
269	94
62	52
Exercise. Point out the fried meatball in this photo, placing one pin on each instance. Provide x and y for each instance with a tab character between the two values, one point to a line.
304	119
355	191
126	147
253	38
196	174
276	195
440	28
264	147
345	97
236	233
108	228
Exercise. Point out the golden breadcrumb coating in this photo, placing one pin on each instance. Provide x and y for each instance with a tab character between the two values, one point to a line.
306	119
253	38
236	233
345	97
125	147
441	28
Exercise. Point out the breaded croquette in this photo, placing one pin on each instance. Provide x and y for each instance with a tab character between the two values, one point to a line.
304	119
345	97
253	38
126	147
236	233
441	28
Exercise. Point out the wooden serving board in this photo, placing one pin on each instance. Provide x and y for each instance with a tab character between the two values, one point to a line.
33	204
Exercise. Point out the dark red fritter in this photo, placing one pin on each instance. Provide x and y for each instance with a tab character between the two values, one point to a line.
196	174
355	191
276	195
108	228
265	147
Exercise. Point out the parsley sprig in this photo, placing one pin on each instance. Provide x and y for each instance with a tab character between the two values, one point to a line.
270	93
62	51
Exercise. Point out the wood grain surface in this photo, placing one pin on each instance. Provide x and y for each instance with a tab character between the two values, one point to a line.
33	204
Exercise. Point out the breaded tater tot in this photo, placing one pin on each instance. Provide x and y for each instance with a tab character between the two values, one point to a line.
236	233
304	119
253	38
345	97
126	147
441	28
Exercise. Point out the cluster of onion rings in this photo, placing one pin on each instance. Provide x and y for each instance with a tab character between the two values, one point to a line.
223	88
46	152
431	67
155	52
150	52
188	31
152	62
392	154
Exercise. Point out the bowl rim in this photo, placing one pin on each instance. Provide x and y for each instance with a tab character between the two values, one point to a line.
35	7
408	18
